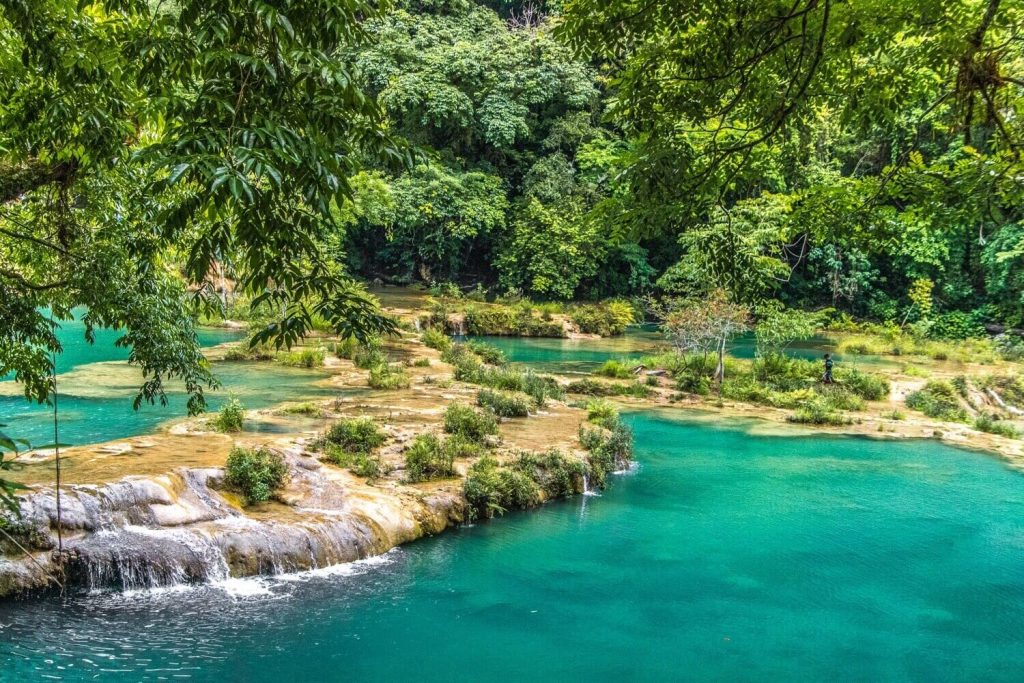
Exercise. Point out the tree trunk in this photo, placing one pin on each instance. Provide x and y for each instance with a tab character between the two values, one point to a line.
720	370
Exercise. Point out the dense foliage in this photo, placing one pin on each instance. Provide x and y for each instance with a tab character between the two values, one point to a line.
516	157
145	147
819	153
230	417
829	153
429	458
360	434
255	473
469	423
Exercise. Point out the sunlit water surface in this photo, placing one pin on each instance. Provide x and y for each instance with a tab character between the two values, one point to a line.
96	388
572	356
723	556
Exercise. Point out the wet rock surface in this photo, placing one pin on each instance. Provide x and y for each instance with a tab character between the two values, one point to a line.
145	532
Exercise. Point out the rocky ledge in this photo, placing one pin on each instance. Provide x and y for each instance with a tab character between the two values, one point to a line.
145	532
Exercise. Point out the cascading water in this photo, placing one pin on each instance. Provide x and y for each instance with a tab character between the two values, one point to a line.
149	532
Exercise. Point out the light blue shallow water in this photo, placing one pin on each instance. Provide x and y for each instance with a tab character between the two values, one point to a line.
76	351
585	355
94	419
99	408
724	556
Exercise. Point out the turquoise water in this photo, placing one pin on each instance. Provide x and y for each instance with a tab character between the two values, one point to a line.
96	390
77	351
724	556
86	419
574	355
585	355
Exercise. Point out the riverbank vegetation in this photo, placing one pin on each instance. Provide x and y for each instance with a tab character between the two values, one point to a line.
528	478
255	473
231	416
989	403
429	458
469	423
503	384
388	376
774	380
352	444
452	312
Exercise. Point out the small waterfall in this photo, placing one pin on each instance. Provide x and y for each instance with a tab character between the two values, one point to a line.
587	491
151	532
141	558
417	325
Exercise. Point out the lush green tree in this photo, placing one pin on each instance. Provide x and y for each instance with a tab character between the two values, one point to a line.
1003	257
426	223
501	107
549	252
778	327
458	78
142	143
741	249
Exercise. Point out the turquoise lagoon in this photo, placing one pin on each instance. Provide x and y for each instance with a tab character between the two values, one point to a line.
96	387
571	356
725	555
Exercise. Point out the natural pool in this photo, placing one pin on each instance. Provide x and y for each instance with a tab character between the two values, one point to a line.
571	356
96	388
726	555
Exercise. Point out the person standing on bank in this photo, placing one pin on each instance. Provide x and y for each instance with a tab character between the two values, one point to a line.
827	377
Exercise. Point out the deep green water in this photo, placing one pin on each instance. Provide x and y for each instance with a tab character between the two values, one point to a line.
95	401
724	556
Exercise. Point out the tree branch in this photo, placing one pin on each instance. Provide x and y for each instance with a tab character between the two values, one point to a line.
20	279
17	179
32	238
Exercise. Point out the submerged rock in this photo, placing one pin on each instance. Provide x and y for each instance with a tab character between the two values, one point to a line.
145	532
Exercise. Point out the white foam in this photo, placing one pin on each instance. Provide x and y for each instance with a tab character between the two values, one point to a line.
249	587
633	467
253	587
342	569
158	532
142	593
